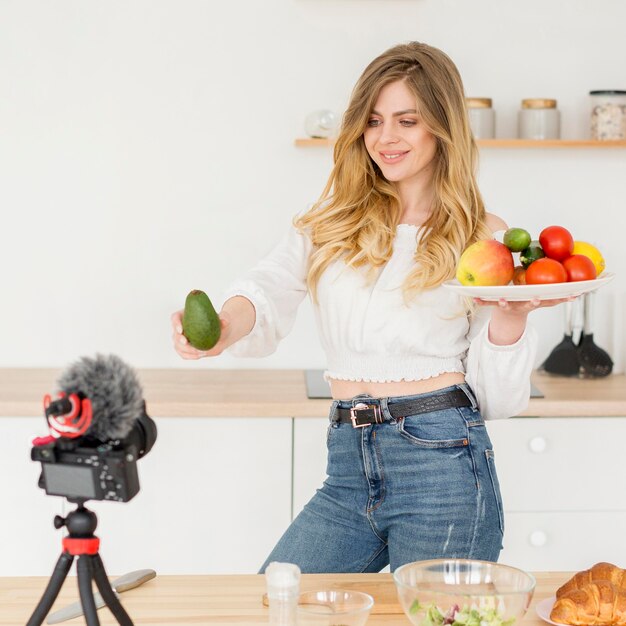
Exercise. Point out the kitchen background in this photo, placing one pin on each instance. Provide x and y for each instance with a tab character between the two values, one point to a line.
147	148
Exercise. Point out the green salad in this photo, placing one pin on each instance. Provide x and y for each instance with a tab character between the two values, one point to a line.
457	616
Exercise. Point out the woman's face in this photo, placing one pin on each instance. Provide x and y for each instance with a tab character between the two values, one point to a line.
396	138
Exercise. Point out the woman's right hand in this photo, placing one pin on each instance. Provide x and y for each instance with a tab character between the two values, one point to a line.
186	350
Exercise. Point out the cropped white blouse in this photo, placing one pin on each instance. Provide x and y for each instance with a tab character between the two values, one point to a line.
370	334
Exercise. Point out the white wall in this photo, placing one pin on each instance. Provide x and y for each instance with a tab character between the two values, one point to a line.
146	148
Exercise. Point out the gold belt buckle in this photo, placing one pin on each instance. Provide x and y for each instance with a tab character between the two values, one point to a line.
361	406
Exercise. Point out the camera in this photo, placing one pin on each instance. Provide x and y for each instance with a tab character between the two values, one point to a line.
98	430
87	468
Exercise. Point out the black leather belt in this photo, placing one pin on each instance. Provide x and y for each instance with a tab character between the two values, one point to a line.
365	414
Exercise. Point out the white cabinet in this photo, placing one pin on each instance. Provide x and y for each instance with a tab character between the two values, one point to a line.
309	459
560	464
217	493
29	543
215	497
569	541
563	486
562	481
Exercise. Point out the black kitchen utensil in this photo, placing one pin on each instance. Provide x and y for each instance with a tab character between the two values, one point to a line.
593	361
563	360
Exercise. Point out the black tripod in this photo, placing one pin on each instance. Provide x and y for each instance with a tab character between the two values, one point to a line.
82	543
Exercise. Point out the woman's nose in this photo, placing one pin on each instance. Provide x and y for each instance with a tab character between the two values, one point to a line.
388	134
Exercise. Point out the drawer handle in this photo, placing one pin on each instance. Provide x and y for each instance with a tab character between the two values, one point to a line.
538	445
538	538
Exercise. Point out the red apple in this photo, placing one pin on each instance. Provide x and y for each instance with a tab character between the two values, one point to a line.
485	263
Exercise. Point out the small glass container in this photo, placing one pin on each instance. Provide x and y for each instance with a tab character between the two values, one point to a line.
334	607
608	115
283	588
482	117
321	124
539	119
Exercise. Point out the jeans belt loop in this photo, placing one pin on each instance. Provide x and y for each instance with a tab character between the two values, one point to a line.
468	391
361	406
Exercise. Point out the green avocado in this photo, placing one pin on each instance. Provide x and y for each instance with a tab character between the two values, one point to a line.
201	324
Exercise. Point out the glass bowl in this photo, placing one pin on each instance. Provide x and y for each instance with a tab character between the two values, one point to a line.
463	592
334	607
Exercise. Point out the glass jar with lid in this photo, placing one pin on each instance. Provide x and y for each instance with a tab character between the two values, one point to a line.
321	124
608	114
539	119
482	117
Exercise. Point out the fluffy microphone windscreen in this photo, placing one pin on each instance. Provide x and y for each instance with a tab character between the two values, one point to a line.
113	389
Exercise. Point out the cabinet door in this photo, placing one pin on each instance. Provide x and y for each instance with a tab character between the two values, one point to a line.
30	543
215	497
563	541
560	464
309	459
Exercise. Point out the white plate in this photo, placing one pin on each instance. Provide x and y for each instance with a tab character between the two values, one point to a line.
544	608
528	292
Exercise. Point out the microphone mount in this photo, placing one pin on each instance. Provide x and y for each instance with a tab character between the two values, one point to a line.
69	415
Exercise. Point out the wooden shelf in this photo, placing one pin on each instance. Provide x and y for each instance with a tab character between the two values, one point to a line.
549	143
500	143
309	142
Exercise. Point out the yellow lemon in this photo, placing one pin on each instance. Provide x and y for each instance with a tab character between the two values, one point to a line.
582	247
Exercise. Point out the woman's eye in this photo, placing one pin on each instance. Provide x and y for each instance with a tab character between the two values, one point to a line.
373	122
408	122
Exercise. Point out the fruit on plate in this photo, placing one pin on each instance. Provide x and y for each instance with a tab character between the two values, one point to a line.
485	263
582	247
516	239
519	275
557	242
544	271
201	324
579	267
533	252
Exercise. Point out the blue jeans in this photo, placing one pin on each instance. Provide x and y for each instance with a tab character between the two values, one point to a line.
419	487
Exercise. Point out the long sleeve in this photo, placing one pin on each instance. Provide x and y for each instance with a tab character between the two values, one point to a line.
499	375
276	286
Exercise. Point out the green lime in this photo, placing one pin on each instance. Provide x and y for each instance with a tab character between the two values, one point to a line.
516	239
533	252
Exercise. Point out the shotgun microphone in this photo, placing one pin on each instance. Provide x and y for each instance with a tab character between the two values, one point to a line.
113	389
99	428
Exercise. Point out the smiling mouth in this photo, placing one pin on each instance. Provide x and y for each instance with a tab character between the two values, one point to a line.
390	157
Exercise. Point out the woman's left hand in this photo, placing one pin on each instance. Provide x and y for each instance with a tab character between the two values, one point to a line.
517	307
508	317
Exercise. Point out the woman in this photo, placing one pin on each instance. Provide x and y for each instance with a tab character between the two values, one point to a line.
413	374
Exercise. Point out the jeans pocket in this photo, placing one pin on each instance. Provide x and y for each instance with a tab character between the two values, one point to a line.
438	429
495	485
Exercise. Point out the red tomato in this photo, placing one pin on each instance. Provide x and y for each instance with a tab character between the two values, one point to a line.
557	242
579	267
545	271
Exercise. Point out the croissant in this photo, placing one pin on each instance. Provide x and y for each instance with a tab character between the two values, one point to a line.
600	571
599	603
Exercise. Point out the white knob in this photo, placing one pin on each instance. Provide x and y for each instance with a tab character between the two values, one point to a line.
538	538
538	444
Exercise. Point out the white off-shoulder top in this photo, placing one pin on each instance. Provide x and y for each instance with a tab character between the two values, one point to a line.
369	333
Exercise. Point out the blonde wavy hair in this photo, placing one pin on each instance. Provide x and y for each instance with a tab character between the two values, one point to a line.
357	213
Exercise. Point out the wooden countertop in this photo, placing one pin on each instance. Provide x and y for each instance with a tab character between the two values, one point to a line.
180	600
282	393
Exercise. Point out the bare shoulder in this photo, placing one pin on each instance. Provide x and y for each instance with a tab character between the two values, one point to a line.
495	223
